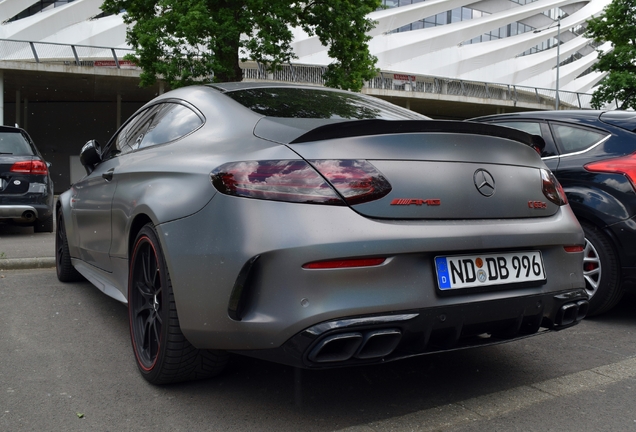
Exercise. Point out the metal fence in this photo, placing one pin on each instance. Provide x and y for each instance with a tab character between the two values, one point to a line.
432	85
95	56
55	53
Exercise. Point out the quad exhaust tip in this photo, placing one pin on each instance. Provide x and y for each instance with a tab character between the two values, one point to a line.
361	345
572	312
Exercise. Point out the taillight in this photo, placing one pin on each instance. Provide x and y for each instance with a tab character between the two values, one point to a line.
552	188
30	167
282	180
624	165
356	180
297	181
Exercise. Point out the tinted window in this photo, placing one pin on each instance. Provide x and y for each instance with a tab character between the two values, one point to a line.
133	133
15	144
531	128
158	124
573	139
321	104
170	122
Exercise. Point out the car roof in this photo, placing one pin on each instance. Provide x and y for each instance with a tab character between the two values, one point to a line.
622	119
11	129
591	115
231	86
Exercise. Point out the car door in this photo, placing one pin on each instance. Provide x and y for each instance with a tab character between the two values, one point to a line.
91	200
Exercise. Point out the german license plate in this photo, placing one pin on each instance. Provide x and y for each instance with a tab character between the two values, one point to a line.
469	271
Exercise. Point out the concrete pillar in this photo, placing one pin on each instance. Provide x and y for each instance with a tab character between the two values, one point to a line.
161	88
26	113
118	111
1	98
17	107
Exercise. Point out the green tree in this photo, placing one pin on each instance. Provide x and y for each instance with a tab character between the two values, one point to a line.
617	24
188	41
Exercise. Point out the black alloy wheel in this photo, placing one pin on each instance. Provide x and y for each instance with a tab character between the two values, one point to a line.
601	271
63	267
163	354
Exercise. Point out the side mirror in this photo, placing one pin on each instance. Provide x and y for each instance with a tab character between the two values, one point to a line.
90	155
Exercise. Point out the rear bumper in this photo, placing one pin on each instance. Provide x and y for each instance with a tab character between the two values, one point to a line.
25	213
208	256
27	207
382	338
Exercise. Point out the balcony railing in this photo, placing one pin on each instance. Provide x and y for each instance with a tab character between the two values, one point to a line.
96	56
432	85
55	53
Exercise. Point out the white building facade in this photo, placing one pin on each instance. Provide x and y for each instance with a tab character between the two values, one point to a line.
510	42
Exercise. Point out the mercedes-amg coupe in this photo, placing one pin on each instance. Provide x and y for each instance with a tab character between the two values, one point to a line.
317	228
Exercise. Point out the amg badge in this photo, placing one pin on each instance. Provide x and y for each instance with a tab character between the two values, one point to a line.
416	201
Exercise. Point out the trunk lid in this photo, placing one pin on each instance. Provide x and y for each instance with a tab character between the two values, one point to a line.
444	173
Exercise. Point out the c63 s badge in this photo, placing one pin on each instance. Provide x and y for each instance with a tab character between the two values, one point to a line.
537	205
416	201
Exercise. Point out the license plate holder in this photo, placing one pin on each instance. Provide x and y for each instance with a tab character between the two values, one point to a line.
488	270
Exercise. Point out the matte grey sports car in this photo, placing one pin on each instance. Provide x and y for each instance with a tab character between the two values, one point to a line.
317	228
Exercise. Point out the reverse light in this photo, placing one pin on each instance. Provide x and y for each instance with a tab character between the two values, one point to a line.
317	182
344	263
623	165
552	188
30	167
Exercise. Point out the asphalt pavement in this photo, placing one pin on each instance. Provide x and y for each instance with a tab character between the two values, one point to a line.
66	364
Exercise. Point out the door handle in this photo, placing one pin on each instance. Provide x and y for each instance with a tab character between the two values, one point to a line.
108	175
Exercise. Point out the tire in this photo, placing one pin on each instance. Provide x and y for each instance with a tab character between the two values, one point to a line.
162	353
65	270
45	225
601	270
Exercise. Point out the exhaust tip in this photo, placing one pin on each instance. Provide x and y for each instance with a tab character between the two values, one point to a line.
584	307
336	348
28	215
379	343
568	314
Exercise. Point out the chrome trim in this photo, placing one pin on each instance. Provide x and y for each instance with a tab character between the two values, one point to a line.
319	329
589	148
16	211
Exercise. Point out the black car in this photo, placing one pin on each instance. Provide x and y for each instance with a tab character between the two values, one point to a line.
26	189
593	155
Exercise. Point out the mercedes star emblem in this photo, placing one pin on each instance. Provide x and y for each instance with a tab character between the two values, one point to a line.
484	182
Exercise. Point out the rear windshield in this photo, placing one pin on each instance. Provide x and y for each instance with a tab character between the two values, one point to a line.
14	143
318	104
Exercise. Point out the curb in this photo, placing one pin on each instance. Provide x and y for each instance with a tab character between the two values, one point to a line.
26	263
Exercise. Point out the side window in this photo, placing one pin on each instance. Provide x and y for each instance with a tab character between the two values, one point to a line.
157	124
573	139
531	128
138	129
132	134
170	122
